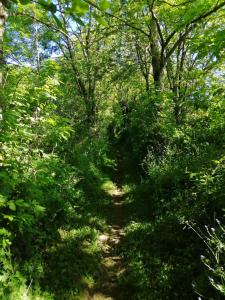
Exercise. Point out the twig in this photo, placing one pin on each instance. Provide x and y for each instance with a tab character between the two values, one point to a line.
42	22
116	17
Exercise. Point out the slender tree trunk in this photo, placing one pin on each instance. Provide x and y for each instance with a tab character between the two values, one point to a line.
3	17
36	38
175	73
2	23
157	63
143	64
90	97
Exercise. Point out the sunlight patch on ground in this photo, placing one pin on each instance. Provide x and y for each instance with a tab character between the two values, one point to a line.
127	188
109	187
88	281
96	296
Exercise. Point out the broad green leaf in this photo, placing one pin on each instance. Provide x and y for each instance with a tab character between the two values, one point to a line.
51	121
2	200
77	19
4	232
24	2
100	20
58	22
9	217
104	5
79	8
12	205
39	209
48	6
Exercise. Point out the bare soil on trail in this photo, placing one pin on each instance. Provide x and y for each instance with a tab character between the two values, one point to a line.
108	287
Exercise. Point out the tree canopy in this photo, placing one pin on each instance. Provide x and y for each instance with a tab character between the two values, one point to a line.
112	122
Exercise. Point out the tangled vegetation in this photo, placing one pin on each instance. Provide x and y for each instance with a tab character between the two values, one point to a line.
100	93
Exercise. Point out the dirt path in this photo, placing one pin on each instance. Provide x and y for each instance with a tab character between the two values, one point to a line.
112	263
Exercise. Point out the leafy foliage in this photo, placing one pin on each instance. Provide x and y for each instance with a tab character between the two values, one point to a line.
100	91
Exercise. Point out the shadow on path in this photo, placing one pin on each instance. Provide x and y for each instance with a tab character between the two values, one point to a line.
112	267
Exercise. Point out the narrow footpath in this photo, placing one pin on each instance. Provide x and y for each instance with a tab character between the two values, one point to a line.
112	263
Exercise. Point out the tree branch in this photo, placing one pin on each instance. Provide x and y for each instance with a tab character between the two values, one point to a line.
158	28
215	9
179	41
176	5
117	18
192	25
42	22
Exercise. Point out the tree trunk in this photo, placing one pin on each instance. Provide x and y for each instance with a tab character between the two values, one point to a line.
36	40
3	17
157	63
2	22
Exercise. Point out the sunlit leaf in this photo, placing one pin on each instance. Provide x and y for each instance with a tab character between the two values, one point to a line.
104	4
12	205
